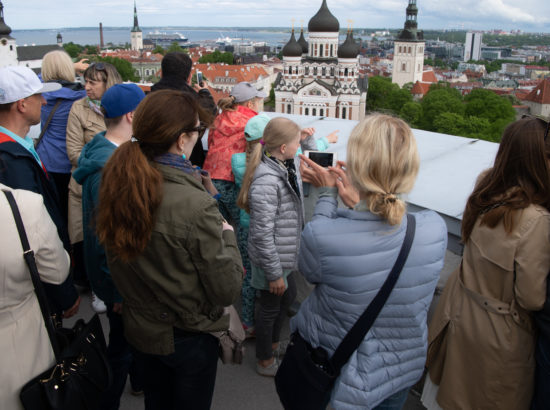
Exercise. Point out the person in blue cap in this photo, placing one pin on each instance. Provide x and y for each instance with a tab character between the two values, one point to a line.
118	105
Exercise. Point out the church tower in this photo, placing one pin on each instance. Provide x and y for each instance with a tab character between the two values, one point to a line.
136	34
408	54
8	48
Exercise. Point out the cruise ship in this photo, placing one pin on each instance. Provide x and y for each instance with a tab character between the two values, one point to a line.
167	39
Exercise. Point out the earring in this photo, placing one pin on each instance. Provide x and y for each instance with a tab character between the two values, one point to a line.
183	156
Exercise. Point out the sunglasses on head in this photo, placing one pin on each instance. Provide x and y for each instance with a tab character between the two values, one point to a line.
98	66
544	120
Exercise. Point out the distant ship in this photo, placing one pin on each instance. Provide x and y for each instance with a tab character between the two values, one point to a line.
166	39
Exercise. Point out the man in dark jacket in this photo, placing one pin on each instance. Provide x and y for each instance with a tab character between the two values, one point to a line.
21	102
176	75
118	105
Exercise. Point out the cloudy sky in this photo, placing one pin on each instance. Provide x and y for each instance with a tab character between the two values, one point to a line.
527	15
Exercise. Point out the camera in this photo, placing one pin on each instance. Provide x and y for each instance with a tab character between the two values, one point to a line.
322	158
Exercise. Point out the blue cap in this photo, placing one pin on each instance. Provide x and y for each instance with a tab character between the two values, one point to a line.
121	99
255	127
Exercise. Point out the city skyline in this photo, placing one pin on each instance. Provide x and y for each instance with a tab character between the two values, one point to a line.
532	16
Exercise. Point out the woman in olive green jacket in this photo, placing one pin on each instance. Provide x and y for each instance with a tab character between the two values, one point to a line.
172	256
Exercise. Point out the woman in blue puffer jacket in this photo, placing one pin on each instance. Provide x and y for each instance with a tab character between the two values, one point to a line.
348	254
58	67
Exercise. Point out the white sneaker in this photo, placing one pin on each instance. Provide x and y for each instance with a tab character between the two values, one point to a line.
97	304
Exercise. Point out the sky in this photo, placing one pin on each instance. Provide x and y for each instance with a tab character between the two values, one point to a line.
526	15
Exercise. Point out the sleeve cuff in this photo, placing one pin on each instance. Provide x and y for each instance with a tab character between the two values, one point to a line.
328	191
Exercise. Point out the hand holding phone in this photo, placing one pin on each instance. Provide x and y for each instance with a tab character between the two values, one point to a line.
200	79
323	158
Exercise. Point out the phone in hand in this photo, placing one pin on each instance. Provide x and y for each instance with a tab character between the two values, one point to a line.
200	79
323	158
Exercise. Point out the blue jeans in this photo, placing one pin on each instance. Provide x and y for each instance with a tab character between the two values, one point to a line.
395	402
541	397
184	379
122	361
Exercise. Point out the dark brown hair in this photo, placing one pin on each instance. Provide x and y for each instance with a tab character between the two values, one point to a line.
519	177
131	185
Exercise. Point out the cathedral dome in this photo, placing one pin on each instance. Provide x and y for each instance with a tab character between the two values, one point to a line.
349	48
323	21
303	43
292	48
5	30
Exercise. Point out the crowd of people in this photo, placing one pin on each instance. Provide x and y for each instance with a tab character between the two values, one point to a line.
117	194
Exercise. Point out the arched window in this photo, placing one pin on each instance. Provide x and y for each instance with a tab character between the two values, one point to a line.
321	112
400	49
288	109
346	72
320	50
326	50
307	111
409	50
314	111
307	70
323	71
332	71
344	112
331	50
314	71
315	52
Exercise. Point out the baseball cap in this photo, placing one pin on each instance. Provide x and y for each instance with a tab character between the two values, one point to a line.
245	91
255	127
18	82
121	99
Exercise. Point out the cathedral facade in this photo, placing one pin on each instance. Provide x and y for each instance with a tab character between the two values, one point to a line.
320	76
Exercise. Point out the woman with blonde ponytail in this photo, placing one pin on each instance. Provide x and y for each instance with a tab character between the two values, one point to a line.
348	254
172	256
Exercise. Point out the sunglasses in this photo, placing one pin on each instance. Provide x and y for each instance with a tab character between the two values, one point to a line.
547	122
98	66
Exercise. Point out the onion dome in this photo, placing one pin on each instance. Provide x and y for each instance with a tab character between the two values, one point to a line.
5	30
349	48
292	48
303	43
323	21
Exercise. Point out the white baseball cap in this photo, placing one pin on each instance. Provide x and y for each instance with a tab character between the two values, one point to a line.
18	82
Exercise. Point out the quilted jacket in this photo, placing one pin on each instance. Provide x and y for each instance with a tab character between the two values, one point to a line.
349	254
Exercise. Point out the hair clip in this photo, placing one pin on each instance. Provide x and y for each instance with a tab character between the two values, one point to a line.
262	142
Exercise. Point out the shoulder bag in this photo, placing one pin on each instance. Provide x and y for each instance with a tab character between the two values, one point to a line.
45	127
306	375
81	371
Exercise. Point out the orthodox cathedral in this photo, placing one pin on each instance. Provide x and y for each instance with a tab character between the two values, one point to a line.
320	76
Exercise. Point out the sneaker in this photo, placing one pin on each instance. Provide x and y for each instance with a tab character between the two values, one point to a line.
269	371
97	304
249	331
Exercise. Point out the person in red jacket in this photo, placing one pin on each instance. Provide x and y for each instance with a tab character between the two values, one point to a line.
225	138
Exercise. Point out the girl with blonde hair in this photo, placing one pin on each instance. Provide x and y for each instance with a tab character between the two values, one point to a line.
272	193
348	254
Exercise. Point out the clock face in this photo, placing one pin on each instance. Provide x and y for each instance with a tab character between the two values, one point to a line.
4	41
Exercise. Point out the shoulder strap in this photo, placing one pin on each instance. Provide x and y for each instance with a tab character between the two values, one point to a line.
45	127
355	336
28	255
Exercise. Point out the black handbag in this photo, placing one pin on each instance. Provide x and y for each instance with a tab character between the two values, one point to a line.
82	371
306	375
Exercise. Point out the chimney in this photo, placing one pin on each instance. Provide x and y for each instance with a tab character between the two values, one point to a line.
101	45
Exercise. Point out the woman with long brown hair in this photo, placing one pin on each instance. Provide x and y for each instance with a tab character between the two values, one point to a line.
482	336
173	258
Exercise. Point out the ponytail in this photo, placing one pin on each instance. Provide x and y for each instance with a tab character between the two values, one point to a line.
253	162
388	206
227	104
129	196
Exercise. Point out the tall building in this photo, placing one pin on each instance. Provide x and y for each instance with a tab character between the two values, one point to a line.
321	77
408	54
136	34
8	48
472	47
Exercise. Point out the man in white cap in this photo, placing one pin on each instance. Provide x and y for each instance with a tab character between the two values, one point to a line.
21	102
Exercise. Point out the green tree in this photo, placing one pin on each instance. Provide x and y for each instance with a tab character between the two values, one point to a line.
217	57
159	50
73	49
439	100
123	67
397	99
411	112
487	104
175	48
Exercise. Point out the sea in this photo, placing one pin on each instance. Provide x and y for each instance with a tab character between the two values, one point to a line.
121	35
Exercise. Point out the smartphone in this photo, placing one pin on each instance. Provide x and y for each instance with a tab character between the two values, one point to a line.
323	158
199	79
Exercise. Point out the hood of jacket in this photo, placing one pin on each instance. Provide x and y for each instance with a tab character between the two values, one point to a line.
93	157
230	123
68	91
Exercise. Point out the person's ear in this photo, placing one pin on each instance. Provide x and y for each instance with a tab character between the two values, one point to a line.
282	148
130	116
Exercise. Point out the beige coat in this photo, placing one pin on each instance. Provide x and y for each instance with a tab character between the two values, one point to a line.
24	343
82	125
482	338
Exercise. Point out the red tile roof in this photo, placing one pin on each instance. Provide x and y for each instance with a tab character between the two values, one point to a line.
249	73
429	77
541	93
420	88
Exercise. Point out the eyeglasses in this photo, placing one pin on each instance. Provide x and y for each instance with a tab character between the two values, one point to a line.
544	120
201	129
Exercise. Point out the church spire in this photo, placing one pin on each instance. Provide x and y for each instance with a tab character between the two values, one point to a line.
410	31
136	25
5	30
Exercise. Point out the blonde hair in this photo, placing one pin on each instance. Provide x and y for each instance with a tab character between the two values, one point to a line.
277	132
229	103
57	65
383	162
